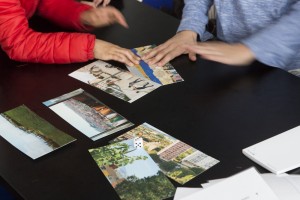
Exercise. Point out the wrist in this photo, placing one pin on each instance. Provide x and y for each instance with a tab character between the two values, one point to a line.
247	53
189	34
96	48
85	17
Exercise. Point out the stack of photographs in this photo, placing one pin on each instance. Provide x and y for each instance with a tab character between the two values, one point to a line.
87	114
132	172
115	81
30	133
176	159
162	75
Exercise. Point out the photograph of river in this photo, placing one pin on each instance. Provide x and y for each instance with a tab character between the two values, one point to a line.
30	133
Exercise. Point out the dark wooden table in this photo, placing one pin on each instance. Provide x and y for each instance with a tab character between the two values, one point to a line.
218	109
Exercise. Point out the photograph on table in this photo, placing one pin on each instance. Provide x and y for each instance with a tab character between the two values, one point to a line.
176	159
115	81
87	114
31	134
162	75
132	172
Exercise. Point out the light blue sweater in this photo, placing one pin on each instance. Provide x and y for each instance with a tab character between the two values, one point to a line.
270	28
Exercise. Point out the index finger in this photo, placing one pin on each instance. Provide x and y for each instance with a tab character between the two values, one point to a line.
153	52
129	57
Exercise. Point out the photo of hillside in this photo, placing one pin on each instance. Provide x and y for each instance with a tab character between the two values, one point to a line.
30	133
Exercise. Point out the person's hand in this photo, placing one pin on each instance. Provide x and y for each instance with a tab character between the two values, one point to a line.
172	48
108	51
96	3
103	16
231	54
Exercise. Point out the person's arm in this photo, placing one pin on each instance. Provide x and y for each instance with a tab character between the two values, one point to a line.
195	17
24	44
75	15
65	13
232	54
193	23
278	43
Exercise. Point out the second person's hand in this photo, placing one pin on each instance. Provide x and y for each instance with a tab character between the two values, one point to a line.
103	16
172	48
232	54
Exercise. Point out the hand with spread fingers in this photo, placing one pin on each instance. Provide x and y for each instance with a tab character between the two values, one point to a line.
103	16
231	54
108	51
172	48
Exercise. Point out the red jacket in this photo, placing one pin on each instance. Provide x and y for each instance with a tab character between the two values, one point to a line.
21	43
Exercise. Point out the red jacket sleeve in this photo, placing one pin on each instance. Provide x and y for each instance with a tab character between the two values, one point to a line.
23	44
65	13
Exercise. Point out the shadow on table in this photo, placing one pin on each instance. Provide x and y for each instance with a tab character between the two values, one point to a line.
8	193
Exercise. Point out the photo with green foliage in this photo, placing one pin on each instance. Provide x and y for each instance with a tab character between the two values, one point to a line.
132	172
176	159
30	133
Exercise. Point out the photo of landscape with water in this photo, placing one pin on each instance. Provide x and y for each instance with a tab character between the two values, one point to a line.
30	133
162	75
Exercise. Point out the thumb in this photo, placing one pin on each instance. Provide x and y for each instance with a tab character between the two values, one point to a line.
192	56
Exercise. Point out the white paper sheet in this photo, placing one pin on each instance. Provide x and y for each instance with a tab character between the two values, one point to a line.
278	154
247	185
285	186
181	192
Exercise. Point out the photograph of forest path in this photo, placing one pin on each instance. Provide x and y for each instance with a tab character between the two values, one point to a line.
132	172
30	133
